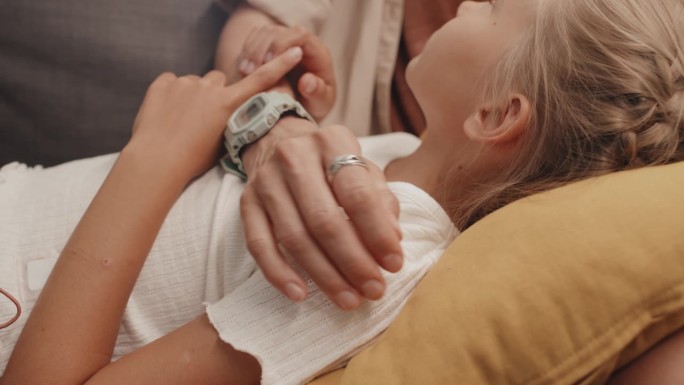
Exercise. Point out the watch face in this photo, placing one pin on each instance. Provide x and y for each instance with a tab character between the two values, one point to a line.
250	111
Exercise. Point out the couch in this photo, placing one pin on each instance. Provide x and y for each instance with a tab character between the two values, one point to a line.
559	288
73	72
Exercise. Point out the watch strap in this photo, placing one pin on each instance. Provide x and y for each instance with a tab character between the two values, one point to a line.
230	167
236	143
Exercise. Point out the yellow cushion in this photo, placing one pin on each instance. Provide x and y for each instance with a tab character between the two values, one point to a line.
558	288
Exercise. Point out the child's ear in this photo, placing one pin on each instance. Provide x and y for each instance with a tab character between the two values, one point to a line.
499	124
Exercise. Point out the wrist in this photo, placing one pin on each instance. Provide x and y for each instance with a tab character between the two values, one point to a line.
288	126
255	127
159	165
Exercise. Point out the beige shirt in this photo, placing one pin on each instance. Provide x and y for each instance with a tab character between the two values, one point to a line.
363	37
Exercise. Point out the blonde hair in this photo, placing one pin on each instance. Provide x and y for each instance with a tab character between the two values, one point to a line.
606	82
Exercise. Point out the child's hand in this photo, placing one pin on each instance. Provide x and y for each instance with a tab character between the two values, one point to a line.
181	121
313	80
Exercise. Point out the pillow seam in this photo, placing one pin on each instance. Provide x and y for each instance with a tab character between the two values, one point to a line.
633	319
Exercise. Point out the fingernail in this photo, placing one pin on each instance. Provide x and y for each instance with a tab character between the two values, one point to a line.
268	57
347	300
250	67
294	292
392	262
243	65
295	53
310	86
373	289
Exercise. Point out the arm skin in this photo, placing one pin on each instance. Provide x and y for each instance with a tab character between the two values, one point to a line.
92	281
352	259
71	333
662	365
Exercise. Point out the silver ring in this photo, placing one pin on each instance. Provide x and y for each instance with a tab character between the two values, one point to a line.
344	160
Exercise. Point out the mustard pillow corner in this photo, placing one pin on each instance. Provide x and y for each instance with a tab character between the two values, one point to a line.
558	288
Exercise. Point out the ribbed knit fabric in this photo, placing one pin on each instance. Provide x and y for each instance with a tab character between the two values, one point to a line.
295	342
198	257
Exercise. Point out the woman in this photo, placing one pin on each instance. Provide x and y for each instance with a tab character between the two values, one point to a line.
531	114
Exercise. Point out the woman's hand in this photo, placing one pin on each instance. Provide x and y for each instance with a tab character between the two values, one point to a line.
182	119
340	230
313	80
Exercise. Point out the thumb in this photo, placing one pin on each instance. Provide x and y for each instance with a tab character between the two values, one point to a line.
317	96
263	78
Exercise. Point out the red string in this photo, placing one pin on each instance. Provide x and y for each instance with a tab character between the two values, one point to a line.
18	306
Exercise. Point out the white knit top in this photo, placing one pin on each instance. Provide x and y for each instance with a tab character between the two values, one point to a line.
199	263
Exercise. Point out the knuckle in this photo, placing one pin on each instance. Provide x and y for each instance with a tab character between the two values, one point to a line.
331	137
167	75
263	173
381	241
252	34
187	79
249	52
161	80
385	193
258	247
355	270
267	195
325	137
218	74
393	201
246	54
300	29
293	240
278	46
275	276
356	198
337	128
282	149
323	225
285	152
246	199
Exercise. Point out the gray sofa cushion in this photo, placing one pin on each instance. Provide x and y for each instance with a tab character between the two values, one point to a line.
73	72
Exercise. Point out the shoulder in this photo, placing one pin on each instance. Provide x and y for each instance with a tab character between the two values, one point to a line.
381	149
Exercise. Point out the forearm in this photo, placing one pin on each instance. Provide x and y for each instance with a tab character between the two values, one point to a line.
72	331
235	32
78	314
193	354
